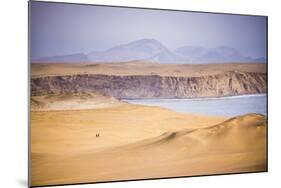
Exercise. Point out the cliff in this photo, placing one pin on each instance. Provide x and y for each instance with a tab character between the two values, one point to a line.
153	86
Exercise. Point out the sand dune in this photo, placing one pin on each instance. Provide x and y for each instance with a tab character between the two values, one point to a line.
75	101
133	144
72	130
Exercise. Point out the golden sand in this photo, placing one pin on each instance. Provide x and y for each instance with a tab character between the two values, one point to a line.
137	142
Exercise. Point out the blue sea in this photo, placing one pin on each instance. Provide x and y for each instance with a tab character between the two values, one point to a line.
221	106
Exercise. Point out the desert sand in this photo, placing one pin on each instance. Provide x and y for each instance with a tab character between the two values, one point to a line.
76	101
81	132
138	142
142	68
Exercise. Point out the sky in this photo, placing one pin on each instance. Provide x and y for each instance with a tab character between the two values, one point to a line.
60	29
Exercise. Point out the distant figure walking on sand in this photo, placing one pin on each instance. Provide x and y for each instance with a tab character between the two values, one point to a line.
97	135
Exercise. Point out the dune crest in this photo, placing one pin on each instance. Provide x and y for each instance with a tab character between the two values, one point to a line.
241	132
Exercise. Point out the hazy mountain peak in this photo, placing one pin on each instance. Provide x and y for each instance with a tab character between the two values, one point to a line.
142	45
149	49
146	40
220	54
142	49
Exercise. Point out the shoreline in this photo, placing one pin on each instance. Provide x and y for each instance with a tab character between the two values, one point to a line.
199	98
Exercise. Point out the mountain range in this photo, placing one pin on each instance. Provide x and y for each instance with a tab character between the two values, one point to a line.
153	51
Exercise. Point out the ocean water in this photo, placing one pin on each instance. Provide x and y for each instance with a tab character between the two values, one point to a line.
221	106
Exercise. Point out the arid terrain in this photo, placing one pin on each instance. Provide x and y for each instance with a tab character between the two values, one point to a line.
141	68
150	80
82	132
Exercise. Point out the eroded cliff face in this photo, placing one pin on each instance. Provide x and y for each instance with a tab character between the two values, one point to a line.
153	86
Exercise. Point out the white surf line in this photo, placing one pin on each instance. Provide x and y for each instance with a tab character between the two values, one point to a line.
196	98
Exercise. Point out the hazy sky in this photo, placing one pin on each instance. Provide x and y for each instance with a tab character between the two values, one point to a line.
60	29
